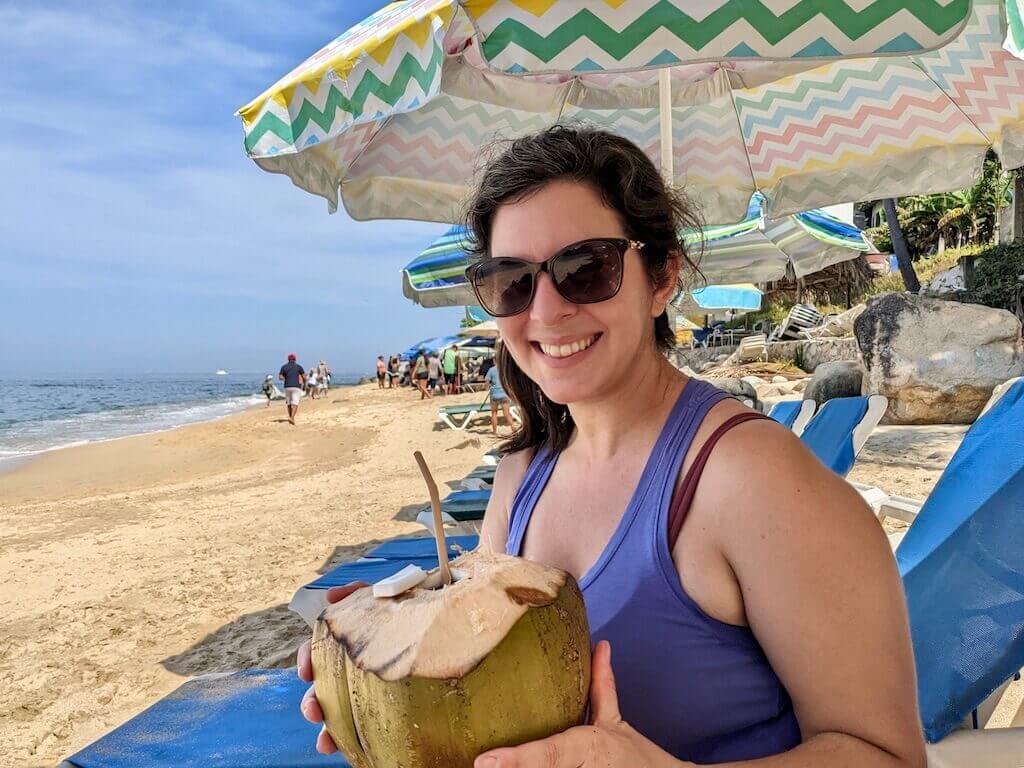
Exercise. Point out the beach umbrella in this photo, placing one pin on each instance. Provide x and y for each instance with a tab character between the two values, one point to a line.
714	299
432	345
756	249
437	277
760	249
487	330
813	102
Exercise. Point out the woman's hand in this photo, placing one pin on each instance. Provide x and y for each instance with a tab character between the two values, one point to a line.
310	707
608	742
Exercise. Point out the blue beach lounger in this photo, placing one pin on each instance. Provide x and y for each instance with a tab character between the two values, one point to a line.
841	427
962	563
461	512
383	561
247	719
311	599
794	414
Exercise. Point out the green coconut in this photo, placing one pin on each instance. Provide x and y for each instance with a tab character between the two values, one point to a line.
434	677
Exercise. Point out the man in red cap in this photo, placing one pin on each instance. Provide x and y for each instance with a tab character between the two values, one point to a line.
294	379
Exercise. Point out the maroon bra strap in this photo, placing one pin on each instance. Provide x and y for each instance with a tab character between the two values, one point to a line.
684	495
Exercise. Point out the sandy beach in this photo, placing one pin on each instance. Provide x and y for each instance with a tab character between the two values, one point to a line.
131	565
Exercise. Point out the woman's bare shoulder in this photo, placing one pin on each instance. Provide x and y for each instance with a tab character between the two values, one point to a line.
507	478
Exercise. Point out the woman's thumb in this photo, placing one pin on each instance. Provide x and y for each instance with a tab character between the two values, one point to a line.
604	700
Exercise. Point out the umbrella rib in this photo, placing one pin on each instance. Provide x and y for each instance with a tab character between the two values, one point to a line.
959	109
739	129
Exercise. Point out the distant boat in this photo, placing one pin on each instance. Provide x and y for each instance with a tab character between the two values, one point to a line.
222	372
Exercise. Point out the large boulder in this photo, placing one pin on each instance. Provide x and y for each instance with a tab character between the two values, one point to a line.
937	361
838	379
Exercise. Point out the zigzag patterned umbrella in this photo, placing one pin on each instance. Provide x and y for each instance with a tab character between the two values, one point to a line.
756	249
813	102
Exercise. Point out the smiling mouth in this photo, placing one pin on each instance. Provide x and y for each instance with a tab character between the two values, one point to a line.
567	350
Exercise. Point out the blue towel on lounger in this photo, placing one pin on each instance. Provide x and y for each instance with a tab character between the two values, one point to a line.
962	563
370	571
247	719
786	411
830	433
423	546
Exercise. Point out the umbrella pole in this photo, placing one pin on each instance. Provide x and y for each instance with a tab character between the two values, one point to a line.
665	121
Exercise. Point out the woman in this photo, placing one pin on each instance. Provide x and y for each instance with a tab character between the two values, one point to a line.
753	608
419	375
499	398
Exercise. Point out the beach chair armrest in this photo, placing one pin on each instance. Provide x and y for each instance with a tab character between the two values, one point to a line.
426	519
901	508
985	748
877	405
874	497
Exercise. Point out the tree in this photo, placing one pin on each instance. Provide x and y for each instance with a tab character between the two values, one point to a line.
899	247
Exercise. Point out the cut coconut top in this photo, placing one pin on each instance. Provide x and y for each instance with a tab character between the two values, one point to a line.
442	633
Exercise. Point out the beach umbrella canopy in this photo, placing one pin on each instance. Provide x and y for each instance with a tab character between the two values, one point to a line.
756	249
716	298
487	330
760	249
437	277
433	345
813	102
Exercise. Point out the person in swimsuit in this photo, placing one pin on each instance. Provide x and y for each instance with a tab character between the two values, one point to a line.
743	600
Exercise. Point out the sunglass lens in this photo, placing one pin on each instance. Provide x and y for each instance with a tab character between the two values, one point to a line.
503	286
590	273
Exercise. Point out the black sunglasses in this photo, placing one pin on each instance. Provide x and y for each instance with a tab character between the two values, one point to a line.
586	272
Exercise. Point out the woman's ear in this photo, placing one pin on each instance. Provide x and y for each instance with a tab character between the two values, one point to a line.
664	294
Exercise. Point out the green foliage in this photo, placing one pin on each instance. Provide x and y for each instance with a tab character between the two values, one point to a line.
880	237
997	275
926	268
967	215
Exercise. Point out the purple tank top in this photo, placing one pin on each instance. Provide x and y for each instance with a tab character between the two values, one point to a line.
700	689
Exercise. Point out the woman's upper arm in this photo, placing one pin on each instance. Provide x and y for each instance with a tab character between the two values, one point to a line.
507	477
820	589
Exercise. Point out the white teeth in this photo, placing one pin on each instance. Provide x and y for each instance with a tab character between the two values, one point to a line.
565	350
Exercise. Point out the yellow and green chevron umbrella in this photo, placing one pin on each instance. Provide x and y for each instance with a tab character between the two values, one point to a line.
812	102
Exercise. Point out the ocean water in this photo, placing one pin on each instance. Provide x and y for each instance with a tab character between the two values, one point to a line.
45	414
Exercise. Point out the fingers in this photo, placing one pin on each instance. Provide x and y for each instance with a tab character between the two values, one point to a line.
310	707
337	594
604	699
303	662
569	749
325	744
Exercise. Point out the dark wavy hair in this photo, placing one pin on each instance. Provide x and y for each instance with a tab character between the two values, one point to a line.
628	183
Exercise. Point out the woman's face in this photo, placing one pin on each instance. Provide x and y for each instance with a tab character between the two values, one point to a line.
615	334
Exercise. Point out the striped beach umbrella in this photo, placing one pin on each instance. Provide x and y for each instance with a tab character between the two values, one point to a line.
757	249
812	102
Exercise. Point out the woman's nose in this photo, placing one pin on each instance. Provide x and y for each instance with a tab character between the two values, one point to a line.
548	306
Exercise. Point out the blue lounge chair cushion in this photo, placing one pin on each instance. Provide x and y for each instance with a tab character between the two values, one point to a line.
830	433
786	411
247	719
962	563
423	546
370	571
466	505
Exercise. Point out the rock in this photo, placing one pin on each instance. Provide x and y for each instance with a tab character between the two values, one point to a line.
937	361
779	380
735	387
946	283
762	388
838	379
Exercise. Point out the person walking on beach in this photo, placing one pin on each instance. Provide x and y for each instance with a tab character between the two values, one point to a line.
311	384
433	372
294	378
499	399
449	363
393	372
268	388
419	374
382	370
324	377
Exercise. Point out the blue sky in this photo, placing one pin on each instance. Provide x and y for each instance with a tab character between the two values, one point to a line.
135	235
